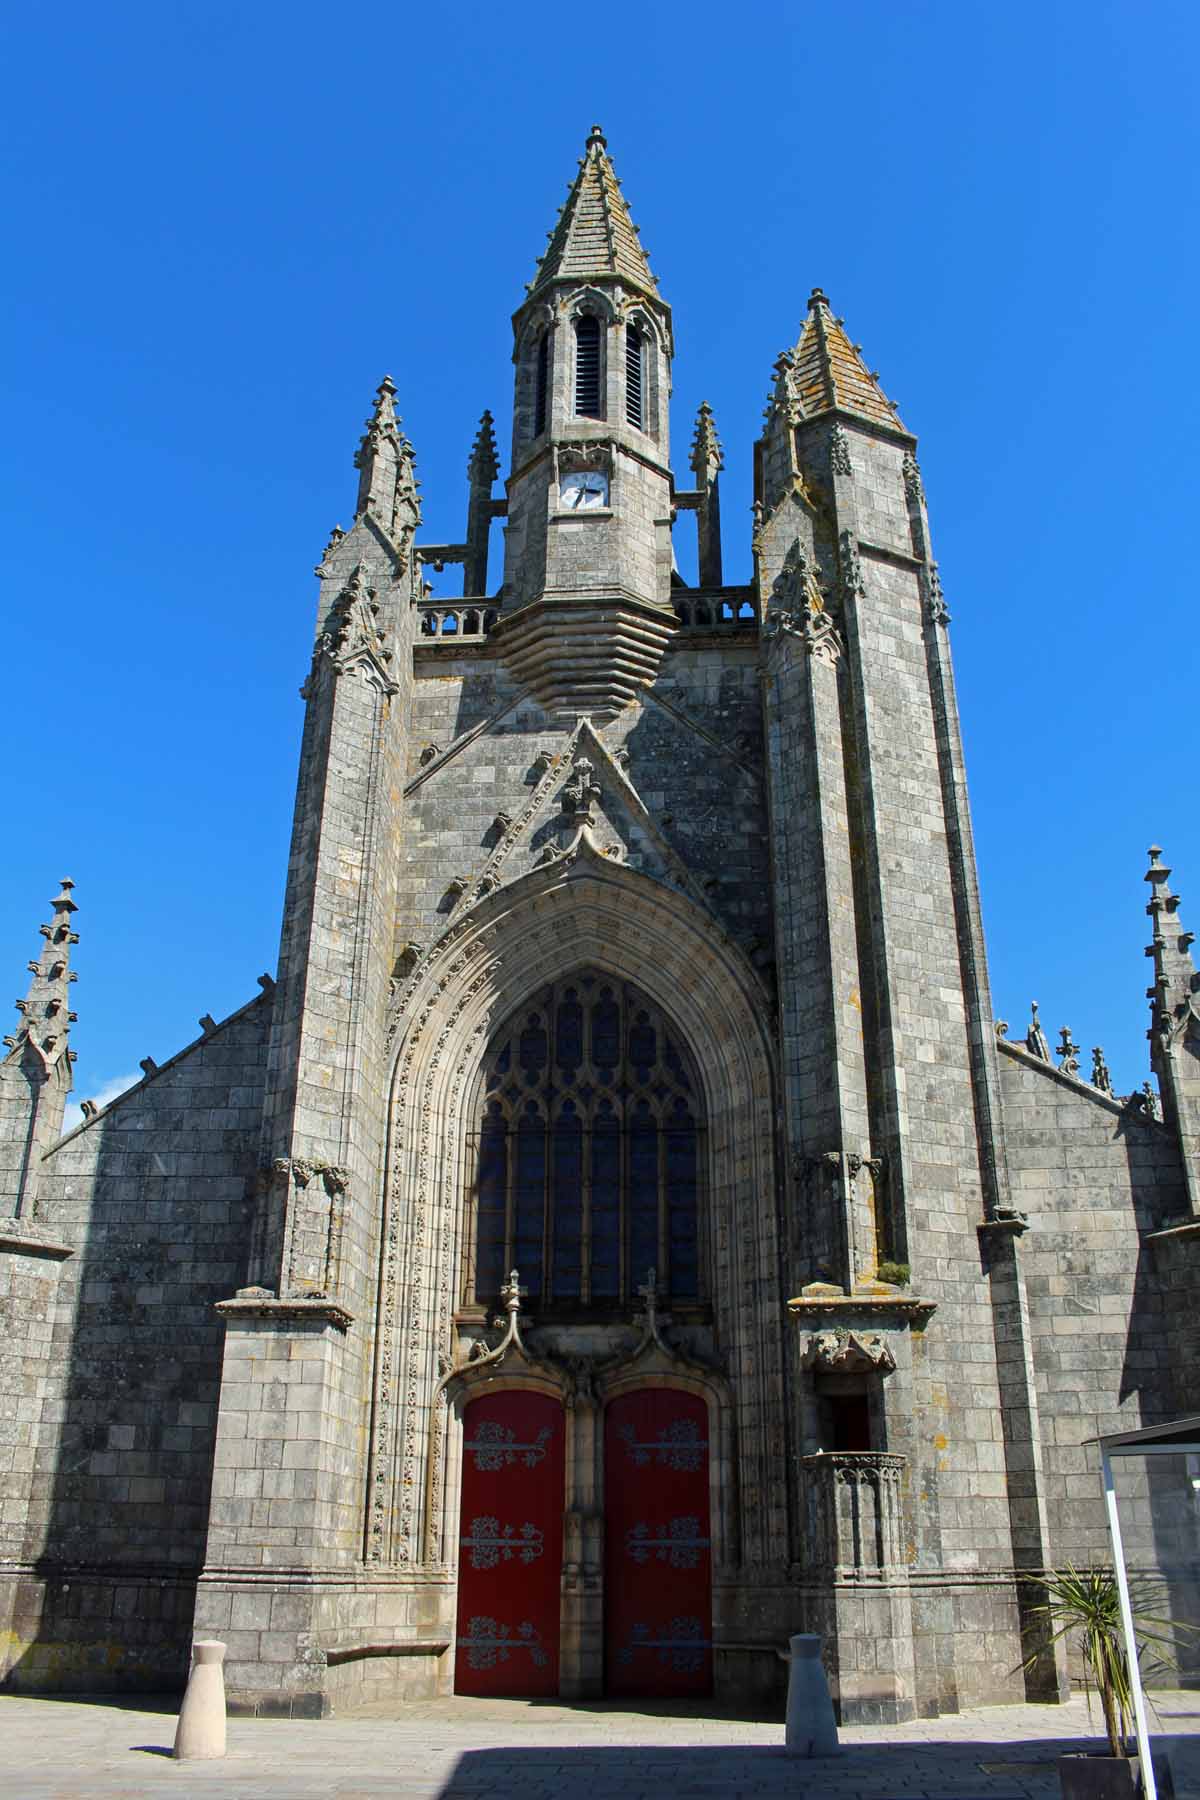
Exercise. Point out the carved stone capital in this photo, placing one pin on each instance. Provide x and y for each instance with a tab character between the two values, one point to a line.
847	1353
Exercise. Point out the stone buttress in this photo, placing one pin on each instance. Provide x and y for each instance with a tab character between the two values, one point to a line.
286	1515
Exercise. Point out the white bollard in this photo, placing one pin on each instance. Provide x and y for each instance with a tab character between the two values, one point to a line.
201	1728
811	1728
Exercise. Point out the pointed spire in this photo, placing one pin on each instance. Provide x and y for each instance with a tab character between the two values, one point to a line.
595	234
46	1015
1173	994
484	464
825	372
707	455
482	470
387	485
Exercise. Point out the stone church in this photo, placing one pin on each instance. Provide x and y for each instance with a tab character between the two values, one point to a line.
619	1235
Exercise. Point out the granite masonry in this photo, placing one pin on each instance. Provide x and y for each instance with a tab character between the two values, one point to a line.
630	1045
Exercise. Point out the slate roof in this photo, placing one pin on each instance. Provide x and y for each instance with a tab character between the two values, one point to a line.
595	234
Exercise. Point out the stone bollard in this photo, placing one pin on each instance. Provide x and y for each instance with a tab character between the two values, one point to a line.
811	1730
201	1728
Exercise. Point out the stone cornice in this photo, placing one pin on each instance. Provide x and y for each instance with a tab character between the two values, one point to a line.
879	1309
860	422
246	1306
20	1239
1110	1102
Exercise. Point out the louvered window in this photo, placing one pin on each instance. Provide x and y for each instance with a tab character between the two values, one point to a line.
635	377
587	369
541	384
587	1151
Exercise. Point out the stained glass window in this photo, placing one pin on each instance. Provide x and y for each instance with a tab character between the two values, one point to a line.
587	1151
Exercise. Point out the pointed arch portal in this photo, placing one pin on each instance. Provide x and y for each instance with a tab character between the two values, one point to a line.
520	951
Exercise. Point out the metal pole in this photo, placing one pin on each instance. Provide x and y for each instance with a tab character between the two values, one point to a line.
1149	1789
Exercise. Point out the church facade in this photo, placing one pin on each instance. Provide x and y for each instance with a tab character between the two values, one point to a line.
619	1235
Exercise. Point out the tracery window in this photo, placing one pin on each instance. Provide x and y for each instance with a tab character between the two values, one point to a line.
587	1152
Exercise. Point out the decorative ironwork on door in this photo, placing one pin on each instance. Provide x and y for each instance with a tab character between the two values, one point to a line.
658	1548
510	1545
586	1156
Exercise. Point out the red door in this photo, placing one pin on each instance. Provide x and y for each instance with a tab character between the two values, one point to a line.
658	1554
510	1545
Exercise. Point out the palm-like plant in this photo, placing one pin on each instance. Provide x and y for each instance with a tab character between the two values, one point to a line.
1084	1606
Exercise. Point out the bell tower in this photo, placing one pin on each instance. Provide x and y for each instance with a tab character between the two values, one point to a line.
586	603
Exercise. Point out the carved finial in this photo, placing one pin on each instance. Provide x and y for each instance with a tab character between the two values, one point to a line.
707	455
597	139
512	1293
45	1011
1144	1100
648	1293
581	791
387	485
1101	1078
484	464
1036	1041
1158	874
1068	1052
818	298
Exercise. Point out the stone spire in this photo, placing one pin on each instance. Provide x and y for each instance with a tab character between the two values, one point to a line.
826	373
1175	1019
35	1074
482	470
46	1017
707	456
595	235
387	484
484	464
707	460
1171	948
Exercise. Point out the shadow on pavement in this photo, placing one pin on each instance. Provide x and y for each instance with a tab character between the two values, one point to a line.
970	1770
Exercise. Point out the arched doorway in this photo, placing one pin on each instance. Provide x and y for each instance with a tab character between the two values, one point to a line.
532	935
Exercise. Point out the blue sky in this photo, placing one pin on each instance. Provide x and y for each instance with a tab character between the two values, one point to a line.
225	223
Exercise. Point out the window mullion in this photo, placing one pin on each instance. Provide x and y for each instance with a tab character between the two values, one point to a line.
585	1219
510	1198
664	1257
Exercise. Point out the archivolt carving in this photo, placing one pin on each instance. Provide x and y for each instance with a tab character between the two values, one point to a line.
588	909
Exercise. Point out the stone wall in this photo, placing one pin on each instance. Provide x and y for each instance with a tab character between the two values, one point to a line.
104	1537
1093	1178
691	750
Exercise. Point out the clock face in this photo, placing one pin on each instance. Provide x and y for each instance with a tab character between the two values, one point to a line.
584	490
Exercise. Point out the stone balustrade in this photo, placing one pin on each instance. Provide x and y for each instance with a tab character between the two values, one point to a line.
450	621
852	1500
715	609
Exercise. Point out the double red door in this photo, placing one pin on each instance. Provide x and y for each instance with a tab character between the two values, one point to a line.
658	1555
510	1545
658	1552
